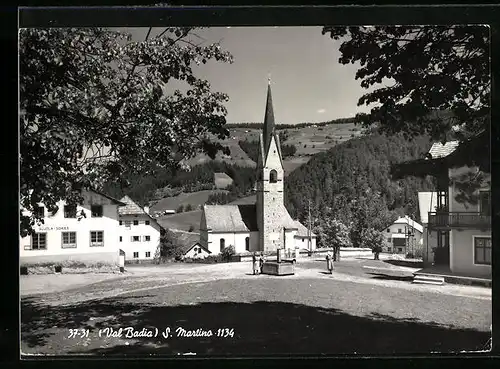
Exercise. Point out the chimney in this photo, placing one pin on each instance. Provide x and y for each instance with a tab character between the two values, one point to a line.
146	209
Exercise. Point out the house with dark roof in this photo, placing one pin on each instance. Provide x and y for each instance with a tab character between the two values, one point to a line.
139	233
265	225
85	233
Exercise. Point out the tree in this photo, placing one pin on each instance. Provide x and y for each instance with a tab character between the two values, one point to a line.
95	104
432	80
169	245
372	239
335	234
430	69
188	207
228	252
180	209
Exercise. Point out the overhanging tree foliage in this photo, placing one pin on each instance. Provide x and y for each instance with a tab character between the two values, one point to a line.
92	89
432	80
429	70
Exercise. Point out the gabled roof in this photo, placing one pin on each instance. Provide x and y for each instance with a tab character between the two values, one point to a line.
407	220
302	230
439	150
231	218
186	240
196	244
130	208
118	202
427	202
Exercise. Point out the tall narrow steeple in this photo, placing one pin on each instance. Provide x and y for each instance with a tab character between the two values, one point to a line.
269	117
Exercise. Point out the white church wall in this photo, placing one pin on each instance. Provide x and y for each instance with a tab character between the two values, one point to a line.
237	239
301	243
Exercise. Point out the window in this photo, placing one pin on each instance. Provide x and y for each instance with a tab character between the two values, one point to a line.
147	222
400	249
39	241
69	211
40	211
136	222
96	211
222	244
136	238
273	176
136	255
147	238
121	238
247	243
121	222
388	230
485	202
400	230
482	250
148	254
68	240
96	238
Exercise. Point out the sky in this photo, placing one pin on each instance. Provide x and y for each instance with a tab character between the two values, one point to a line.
308	83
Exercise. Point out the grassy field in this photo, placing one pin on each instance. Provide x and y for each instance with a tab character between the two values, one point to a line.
308	140
182	221
194	198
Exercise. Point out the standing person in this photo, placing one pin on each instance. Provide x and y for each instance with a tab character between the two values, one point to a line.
261	261
255	266
329	262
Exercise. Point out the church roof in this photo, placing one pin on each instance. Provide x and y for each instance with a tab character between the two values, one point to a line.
233	218
269	130
302	230
268	118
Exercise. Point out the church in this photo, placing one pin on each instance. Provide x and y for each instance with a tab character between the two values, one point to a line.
266	225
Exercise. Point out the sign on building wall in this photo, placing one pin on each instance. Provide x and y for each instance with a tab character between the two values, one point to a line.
53	228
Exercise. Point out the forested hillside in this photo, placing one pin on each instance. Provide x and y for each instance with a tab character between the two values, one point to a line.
144	189
351	182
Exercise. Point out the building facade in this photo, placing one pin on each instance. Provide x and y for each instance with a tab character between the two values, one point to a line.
86	233
403	236
458	222
265	226
139	233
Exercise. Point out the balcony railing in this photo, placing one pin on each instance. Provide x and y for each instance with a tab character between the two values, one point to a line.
448	220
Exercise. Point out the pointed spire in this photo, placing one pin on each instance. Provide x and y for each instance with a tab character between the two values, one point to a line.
269	117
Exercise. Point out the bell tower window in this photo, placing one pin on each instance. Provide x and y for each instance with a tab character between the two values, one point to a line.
273	176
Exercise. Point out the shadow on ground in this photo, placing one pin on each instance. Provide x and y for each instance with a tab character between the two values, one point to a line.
386	277
260	328
406	263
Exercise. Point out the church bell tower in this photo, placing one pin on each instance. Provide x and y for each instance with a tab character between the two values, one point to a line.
270	175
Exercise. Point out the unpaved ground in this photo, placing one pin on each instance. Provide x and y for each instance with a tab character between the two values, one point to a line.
75	288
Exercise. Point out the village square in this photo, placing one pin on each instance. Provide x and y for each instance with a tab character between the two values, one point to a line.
298	252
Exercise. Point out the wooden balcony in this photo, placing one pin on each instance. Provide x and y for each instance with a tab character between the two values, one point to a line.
463	220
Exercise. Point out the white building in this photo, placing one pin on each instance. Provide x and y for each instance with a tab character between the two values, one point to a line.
403	236
266	225
86	233
139	233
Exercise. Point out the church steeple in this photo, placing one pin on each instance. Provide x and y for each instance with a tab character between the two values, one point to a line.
269	117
